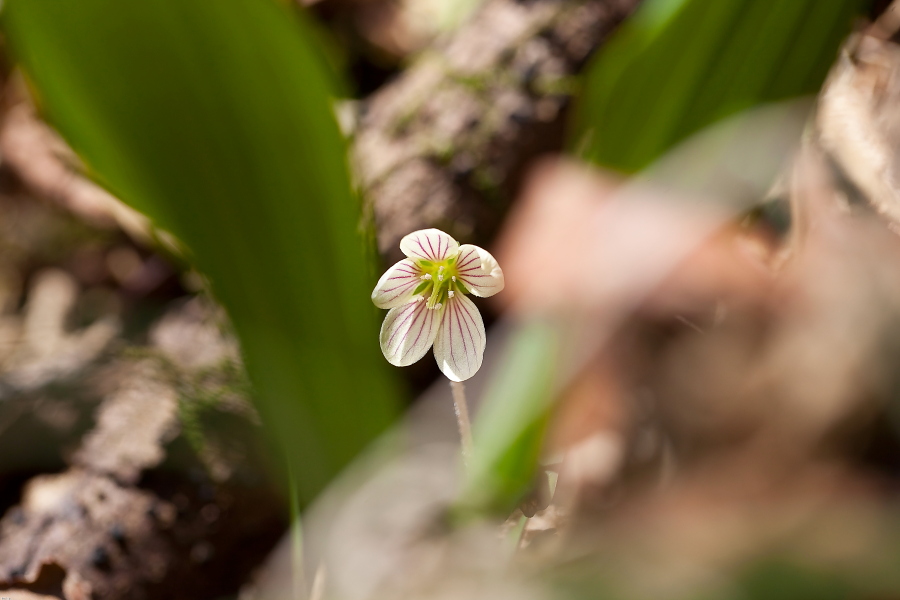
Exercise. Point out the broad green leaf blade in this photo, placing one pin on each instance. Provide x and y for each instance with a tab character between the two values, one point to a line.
680	65
213	118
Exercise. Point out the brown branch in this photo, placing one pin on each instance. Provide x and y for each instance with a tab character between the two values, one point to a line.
445	144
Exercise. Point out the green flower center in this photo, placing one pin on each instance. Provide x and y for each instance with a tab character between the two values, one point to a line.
439	282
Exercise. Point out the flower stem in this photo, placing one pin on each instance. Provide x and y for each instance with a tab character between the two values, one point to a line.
462	418
515	537
296	533
318	585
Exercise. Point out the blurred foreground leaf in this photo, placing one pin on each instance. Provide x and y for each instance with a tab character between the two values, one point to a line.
509	432
213	118
720	171
674	68
679	65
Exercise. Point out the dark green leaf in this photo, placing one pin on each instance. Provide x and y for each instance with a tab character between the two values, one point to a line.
213	118
680	65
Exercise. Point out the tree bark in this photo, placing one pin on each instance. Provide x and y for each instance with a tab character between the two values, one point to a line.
446	143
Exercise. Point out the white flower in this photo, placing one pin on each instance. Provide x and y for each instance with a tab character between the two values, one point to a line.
426	293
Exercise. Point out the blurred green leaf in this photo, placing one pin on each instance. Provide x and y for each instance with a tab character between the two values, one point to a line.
731	163
214	119
780	579
509	431
679	65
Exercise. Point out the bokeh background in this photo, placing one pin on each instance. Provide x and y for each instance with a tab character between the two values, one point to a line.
690	387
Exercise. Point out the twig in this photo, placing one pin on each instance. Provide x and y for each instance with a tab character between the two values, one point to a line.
888	24
462	418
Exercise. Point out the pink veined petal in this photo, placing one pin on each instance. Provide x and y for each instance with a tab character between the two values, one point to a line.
397	285
459	345
479	271
408	332
429	244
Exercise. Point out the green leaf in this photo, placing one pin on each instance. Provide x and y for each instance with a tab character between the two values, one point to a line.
778	578
509	431
680	65
213	118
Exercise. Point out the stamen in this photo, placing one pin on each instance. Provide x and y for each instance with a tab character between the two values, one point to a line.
425	277
441	273
437	306
450	293
453	278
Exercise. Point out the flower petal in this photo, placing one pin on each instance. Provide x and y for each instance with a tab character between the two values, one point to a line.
429	244
408	332
479	271
397	285
459	345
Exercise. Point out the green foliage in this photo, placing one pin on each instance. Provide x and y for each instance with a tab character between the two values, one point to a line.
214	119
779	579
510	428
680	65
